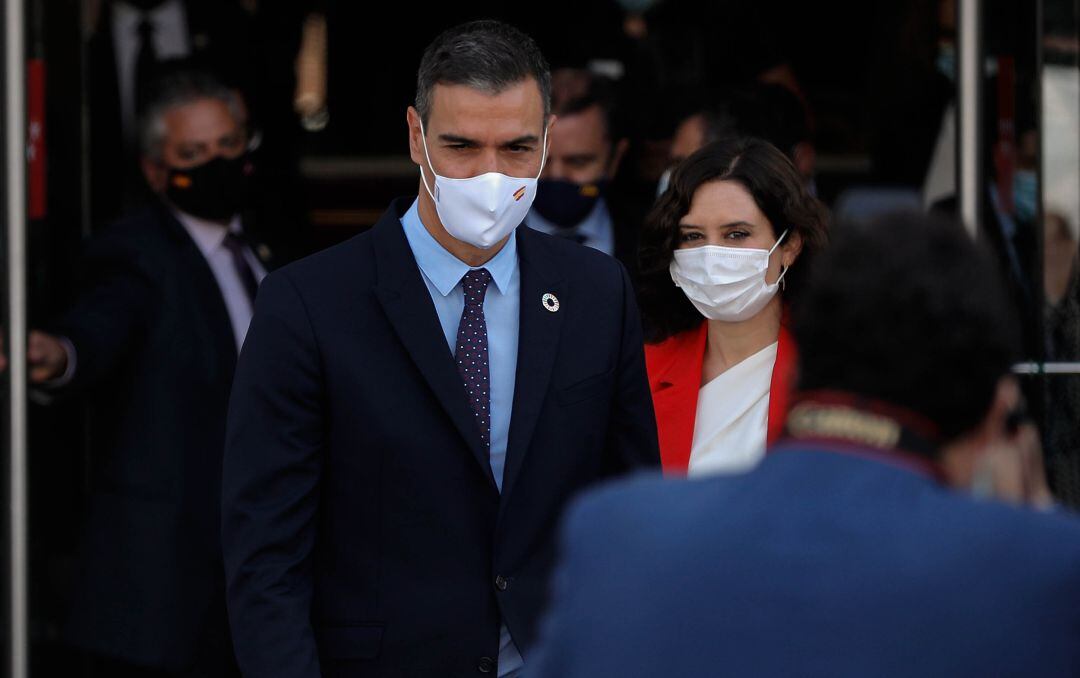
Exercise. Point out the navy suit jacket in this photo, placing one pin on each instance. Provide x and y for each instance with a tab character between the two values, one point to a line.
363	531
155	351
818	563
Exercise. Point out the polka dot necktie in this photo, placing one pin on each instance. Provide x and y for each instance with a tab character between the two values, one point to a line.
472	350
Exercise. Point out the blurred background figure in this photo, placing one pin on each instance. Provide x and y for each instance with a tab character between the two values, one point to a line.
901	527
576	197
153	337
133	43
767	111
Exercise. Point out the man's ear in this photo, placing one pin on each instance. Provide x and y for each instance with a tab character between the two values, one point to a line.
618	151
155	173
416	142
804	157
549	125
994	426
1006	399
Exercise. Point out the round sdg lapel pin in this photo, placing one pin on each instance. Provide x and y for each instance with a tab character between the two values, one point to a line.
551	302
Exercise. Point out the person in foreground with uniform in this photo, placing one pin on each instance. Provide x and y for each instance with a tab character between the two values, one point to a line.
413	408
865	544
722	261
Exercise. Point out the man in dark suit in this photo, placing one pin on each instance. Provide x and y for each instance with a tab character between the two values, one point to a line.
249	46
414	407
577	197
152	341
857	548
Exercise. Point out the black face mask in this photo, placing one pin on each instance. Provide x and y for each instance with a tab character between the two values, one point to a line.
215	190
565	203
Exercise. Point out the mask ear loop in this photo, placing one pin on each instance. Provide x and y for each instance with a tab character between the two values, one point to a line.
543	157
780	280
423	139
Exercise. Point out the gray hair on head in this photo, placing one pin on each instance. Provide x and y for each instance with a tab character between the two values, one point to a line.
489	56
180	89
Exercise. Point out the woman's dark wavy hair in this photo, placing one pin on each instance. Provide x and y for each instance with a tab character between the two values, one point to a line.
780	194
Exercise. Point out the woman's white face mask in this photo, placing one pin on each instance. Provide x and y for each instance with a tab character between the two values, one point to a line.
484	209
725	283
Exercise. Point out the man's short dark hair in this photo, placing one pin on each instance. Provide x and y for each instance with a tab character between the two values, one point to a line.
907	310
489	56
587	90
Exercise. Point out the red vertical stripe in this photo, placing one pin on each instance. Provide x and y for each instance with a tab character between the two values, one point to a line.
35	138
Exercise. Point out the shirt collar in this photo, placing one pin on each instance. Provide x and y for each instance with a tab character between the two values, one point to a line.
591	227
167	13
207	235
442	268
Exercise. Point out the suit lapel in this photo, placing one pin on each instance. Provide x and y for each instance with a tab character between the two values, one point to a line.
407	303
206	289
538	343
785	372
675	383
259	247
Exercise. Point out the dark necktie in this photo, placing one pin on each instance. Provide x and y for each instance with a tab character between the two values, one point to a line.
146	62
236	246
472	350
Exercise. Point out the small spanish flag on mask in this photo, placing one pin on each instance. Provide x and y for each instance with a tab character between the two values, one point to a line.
181	181
519	194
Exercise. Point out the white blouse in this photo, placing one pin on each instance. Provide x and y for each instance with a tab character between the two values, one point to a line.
732	417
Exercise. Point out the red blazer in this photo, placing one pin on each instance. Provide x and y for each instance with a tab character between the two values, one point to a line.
674	367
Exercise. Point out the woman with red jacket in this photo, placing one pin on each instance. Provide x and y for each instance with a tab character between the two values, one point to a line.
718	257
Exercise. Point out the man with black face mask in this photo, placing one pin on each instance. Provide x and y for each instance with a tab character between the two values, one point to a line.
573	198
152	339
134	42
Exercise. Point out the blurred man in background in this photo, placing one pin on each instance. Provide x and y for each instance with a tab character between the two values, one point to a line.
249	45
574	198
867	542
768	111
153	338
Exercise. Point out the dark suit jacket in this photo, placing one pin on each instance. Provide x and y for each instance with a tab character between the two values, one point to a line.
155	354
363	531
819	563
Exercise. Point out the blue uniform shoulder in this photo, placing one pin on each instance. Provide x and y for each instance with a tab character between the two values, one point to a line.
643	506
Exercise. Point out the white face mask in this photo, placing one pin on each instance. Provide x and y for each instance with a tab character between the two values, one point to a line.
484	209
725	283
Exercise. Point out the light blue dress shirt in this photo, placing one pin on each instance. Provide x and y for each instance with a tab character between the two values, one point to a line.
596	230
442	273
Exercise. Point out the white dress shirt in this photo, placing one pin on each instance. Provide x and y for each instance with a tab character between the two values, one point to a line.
210	239
732	418
170	42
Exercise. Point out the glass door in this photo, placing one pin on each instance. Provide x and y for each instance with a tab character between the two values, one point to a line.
1058	214
1019	174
